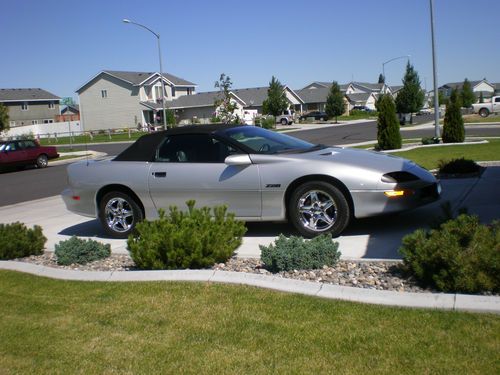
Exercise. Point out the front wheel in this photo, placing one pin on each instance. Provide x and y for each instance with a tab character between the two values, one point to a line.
284	121
318	207
119	214
42	161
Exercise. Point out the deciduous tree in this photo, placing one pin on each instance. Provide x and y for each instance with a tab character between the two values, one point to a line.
467	95
224	106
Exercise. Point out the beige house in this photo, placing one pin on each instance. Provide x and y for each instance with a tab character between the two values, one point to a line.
118	99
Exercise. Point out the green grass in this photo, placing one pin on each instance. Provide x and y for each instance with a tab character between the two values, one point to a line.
358	116
429	157
477	118
66	327
98	138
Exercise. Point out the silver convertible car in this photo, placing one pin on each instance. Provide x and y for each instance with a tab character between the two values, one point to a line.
259	174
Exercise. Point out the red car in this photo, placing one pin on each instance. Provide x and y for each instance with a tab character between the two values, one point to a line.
25	152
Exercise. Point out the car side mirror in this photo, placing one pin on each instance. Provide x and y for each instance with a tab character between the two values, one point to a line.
239	159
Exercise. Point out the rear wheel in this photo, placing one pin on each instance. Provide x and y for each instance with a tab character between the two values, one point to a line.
319	207
483	112
42	161
284	121
119	214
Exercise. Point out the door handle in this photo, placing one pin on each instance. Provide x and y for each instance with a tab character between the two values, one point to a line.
160	174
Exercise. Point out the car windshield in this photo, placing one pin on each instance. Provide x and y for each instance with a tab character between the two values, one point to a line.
267	142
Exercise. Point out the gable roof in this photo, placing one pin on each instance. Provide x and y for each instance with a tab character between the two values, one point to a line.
317	95
72	107
19	95
360	97
139	78
374	87
460	85
343	87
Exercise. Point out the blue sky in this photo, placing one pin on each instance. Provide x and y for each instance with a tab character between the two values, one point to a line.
60	45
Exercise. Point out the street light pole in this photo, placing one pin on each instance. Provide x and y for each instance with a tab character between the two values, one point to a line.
434	74
396	58
161	68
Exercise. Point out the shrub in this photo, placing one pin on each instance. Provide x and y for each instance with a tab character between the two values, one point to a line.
388	135
295	253
193	239
461	256
76	250
453	127
458	166
268	122
430	141
17	241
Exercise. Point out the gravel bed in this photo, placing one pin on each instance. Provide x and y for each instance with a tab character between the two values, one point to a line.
380	275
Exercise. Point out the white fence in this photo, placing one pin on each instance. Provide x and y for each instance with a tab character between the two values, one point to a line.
54	129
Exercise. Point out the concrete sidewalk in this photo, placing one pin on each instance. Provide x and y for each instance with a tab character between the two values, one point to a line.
375	238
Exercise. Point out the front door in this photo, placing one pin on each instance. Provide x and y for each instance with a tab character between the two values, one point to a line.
192	167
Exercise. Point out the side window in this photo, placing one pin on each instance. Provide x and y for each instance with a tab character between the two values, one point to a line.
497	100
193	148
29	144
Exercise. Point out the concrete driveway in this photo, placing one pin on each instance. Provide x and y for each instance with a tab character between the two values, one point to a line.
374	238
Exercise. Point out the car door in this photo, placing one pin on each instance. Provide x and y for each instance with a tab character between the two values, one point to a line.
191	166
496	104
13	154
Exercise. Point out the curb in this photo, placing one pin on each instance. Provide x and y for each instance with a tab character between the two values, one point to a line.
441	301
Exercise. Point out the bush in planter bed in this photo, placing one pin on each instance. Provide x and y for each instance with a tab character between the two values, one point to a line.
295	253
198	238
76	250
462	255
458	166
17	241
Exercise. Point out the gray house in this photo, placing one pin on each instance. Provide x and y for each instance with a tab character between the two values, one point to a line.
118	99
30	106
478	87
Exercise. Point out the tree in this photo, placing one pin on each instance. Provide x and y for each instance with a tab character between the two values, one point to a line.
4	118
381	78
453	128
276	101
388	135
467	95
335	104
481	97
224	105
411	97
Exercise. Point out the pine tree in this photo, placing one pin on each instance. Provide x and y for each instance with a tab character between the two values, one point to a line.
481	97
467	95
4	118
388	135
335	105
453	128
276	101
381	78
411	97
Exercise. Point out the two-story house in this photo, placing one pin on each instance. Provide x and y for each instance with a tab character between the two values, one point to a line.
30	106
118	99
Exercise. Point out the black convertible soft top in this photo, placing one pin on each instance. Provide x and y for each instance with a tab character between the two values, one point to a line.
144	148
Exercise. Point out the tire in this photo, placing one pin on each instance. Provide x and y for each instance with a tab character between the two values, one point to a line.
119	214
483	112
42	161
308	213
284	121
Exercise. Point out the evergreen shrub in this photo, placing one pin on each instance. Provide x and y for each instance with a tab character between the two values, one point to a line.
461	256
458	166
295	253
17	241
388	135
78	251
453	128
194	239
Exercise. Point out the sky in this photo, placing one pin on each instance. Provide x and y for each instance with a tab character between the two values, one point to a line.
61	45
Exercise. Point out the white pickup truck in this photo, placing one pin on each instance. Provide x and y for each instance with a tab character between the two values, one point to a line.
484	109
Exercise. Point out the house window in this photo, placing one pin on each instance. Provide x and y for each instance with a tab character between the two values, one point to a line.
104	93
51	105
48	121
24	106
34	122
158	94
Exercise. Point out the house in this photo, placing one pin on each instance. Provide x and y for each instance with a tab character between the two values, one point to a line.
69	113
121	99
201	107
478	87
30	106
362	99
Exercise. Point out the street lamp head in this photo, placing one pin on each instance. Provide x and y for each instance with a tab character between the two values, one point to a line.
126	20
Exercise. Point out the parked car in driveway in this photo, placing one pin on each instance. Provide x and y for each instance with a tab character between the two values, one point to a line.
25	152
362	108
285	118
259	174
316	115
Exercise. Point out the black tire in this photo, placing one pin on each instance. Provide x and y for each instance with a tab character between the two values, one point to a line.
333	219
42	161
284	121
119	214
483	112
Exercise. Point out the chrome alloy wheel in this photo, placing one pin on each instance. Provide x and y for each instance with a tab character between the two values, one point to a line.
317	210
119	215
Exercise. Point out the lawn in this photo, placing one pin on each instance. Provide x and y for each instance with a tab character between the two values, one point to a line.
477	118
63	327
429	157
98	138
